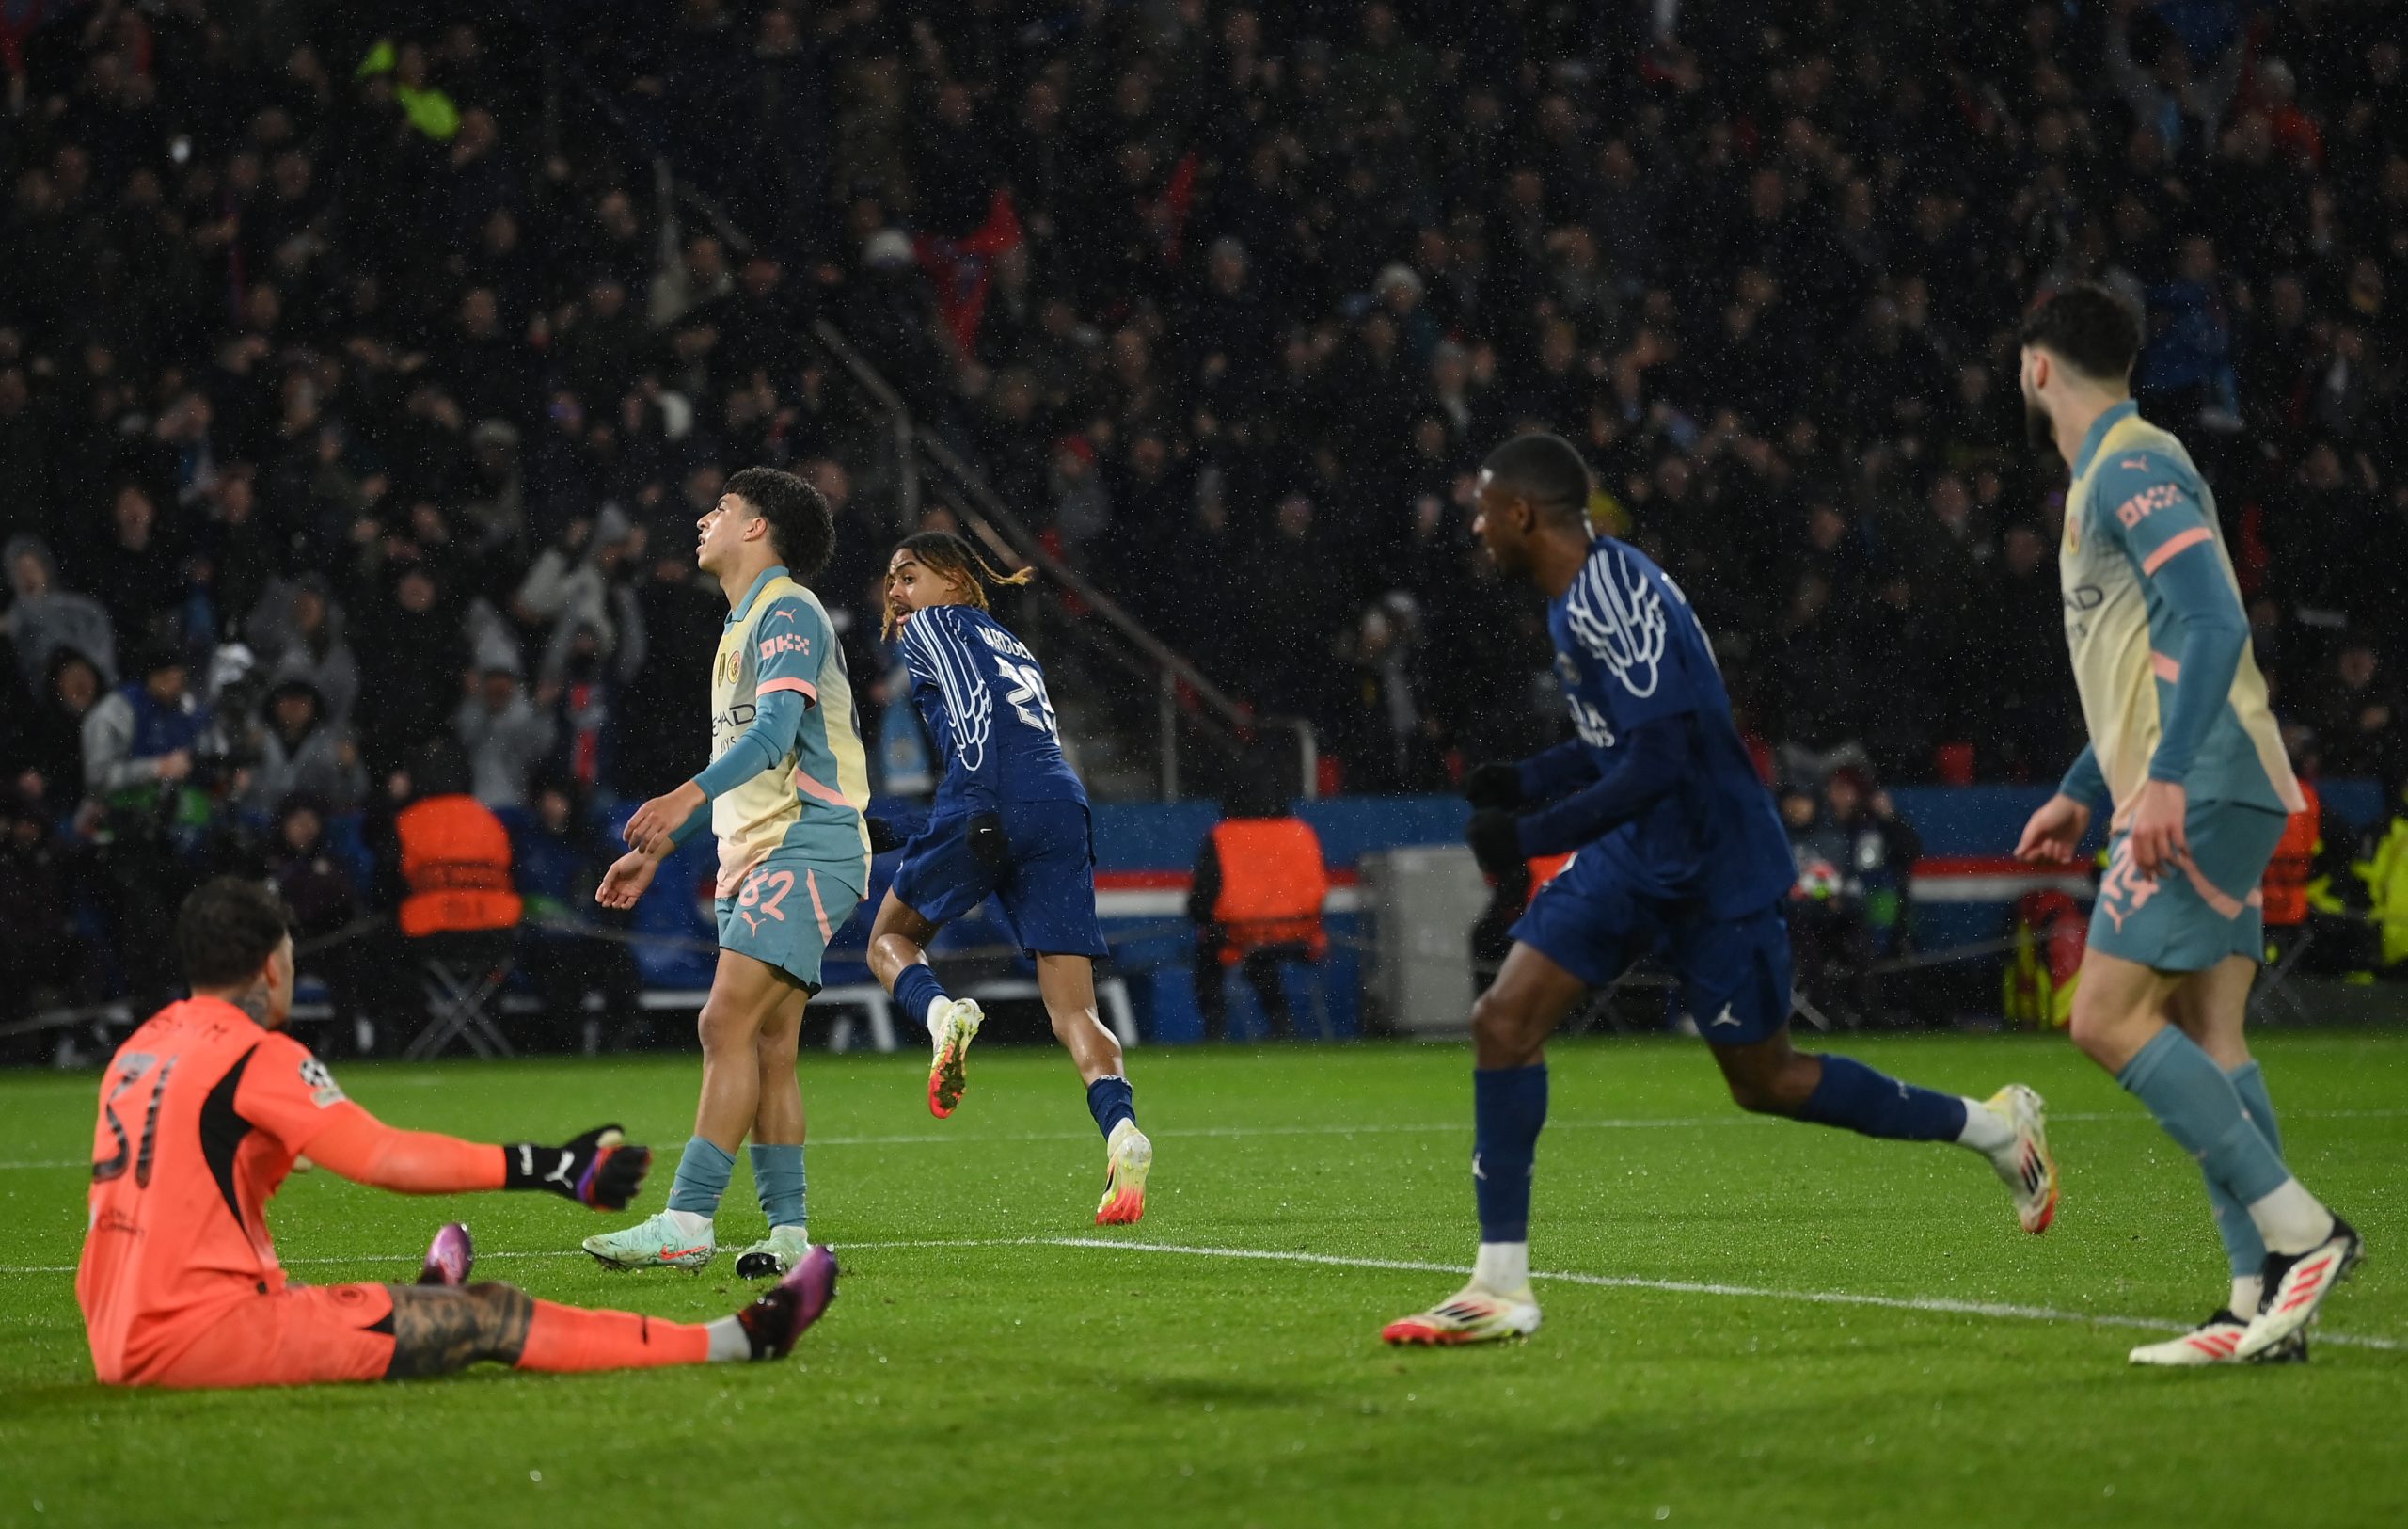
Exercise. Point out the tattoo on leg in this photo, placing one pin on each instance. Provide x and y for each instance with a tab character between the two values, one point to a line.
439	1331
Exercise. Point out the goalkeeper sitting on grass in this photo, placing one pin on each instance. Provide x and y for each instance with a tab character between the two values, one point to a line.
202	1112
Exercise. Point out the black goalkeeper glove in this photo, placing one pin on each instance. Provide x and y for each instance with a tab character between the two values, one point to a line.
598	1169
987	844
882	836
1496	839
1497	785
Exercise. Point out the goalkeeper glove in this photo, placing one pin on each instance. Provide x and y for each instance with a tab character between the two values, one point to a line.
598	1169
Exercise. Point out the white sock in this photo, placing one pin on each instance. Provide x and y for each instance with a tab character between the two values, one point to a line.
1503	1266
692	1225
2290	1220
1985	1130
2247	1291
729	1344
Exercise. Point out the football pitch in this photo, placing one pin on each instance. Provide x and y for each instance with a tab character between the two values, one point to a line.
1747	1322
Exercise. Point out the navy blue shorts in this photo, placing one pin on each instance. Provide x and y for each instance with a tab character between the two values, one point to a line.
1046	889
1733	972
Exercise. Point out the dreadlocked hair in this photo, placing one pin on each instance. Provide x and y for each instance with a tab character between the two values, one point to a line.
946	554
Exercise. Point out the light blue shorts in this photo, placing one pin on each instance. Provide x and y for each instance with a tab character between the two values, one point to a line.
2192	915
785	912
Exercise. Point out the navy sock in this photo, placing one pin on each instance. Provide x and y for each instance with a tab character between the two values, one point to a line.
1509	1106
777	1178
1855	1097
915	988
1111	1100
703	1173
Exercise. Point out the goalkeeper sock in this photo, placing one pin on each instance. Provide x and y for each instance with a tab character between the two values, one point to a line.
569	1339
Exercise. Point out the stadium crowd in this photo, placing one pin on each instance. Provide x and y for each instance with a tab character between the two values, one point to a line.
354	397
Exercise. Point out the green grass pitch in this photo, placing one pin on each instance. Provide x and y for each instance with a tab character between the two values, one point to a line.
995	1357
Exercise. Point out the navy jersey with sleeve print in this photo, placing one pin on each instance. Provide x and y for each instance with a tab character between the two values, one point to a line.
1629	651
982	695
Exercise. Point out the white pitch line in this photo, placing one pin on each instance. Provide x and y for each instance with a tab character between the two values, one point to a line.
1942	1305
1653	1122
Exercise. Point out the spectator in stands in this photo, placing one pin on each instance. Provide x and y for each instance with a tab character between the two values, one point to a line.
327	917
413	653
506	735
142	743
2186	371
1382	724
50	770
2023	729
300	752
45	959
2356	713
1818	681
45	617
142	740
576	588
662	737
1828	937
135	568
558	854
1881	848
297	631
1273	251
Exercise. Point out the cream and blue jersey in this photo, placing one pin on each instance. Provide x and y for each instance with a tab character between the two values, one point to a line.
788	775
2160	643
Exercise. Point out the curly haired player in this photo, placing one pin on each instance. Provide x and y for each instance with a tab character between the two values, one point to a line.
783	794
1011	821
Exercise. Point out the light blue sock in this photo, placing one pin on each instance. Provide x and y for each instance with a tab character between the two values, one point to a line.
777	1177
2199	1107
703	1171
2241	1243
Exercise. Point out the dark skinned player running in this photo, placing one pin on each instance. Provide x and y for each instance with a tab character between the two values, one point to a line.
202	1112
1680	854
